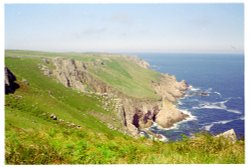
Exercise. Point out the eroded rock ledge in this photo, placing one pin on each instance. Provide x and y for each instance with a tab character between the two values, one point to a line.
133	112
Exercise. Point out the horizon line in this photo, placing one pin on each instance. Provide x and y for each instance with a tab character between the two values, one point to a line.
127	52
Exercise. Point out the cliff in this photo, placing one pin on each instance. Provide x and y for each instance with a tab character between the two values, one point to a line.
135	111
48	121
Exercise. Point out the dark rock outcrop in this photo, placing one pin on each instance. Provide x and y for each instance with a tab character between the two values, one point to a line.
9	80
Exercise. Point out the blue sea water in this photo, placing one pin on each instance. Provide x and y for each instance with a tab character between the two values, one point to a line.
220	77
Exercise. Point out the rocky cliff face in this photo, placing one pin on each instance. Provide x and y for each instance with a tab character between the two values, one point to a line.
170	90
74	74
133	112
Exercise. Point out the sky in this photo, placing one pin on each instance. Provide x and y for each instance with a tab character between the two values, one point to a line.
186	28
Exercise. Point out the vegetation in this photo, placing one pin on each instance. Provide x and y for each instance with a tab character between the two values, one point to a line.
116	71
32	137
127	77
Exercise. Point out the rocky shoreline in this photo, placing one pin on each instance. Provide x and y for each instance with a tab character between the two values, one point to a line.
134	113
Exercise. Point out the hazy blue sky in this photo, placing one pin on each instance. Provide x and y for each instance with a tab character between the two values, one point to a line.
126	27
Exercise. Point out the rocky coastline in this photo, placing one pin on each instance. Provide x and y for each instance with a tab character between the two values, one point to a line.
134	113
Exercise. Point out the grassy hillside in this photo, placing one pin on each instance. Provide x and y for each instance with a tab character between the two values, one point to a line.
127	77
32	137
116	71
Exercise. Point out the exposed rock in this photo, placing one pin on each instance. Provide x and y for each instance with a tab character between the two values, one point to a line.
169	115
183	85
72	125
169	88
47	72
53	117
134	113
230	135
143	64
98	62
132	130
45	69
25	81
45	60
204	94
170	97
72	73
144	117
60	120
153	136
9	80
139	61
18	97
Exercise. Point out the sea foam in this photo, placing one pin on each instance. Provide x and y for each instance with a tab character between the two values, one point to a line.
207	127
216	105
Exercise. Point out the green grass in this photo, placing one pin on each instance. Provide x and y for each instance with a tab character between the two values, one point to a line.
33	138
117	71
60	145
49	96
127	77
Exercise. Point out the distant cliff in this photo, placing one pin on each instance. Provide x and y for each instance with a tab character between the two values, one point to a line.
154	97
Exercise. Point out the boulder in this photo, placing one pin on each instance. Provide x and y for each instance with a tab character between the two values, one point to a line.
204	94
53	117
169	115
230	135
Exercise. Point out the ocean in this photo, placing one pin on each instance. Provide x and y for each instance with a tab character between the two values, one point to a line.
215	98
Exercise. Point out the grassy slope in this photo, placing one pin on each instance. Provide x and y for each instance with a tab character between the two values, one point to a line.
127	77
31	138
117	71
